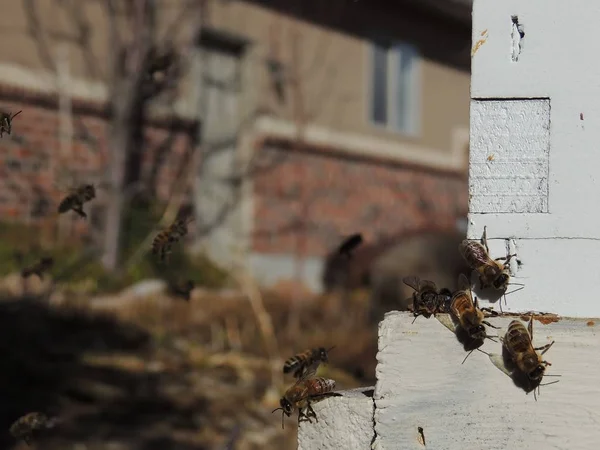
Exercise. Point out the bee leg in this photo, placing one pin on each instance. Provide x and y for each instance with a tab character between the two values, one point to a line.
303	417
530	326
545	348
484	239
28	439
311	412
80	212
491	312
489	324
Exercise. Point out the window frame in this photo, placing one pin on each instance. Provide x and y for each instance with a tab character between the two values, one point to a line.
396	48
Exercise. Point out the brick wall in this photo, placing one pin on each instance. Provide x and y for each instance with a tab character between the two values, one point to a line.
313	196
31	159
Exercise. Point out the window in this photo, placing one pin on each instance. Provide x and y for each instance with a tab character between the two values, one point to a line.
395	89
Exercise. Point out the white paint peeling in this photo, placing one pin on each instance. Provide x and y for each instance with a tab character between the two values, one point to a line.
510	148
345	422
421	382
541	185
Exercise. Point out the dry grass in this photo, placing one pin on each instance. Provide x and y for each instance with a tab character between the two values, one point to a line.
206	371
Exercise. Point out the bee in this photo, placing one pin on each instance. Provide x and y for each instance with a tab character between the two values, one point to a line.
302	393
521	357
306	361
181	290
6	122
467	318
76	199
38	268
25	426
491	272
163	241
427	300
350	244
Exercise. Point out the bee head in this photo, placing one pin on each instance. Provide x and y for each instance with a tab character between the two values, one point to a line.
477	332
285	406
286	409
323	354
539	367
501	281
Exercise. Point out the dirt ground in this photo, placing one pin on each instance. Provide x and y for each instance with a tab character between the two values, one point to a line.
161	373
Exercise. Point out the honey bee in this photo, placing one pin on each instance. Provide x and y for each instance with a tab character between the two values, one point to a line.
349	245
467	318
6	122
163	241
38	268
25	426
427	300
181	290
302	393
491	272
306	361
75	200
521	357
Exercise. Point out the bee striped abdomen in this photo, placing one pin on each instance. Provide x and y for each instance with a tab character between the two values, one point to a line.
460	304
517	338
474	253
319	386
296	361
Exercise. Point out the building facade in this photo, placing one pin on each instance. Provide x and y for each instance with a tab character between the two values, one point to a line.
318	120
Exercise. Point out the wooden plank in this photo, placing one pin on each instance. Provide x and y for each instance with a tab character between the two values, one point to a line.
422	383
345	422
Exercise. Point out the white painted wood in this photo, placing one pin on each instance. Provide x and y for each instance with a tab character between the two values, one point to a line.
345	422
533	163
421	382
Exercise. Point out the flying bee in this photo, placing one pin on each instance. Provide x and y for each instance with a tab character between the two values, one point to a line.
427	300
6	122
520	358
182	290
350	244
306	361
467	319
25	426
77	197
302	393
163	241
491	272
38	268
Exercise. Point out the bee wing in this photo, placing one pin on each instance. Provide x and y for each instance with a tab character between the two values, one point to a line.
428	284
447	321
476	250
463	283
412	282
309	372
498	361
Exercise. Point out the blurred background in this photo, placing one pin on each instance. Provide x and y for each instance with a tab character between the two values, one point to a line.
282	126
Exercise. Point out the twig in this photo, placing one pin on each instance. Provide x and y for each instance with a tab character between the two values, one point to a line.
263	319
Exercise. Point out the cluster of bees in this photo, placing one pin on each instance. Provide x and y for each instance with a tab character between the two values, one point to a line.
459	311
26	426
308	388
